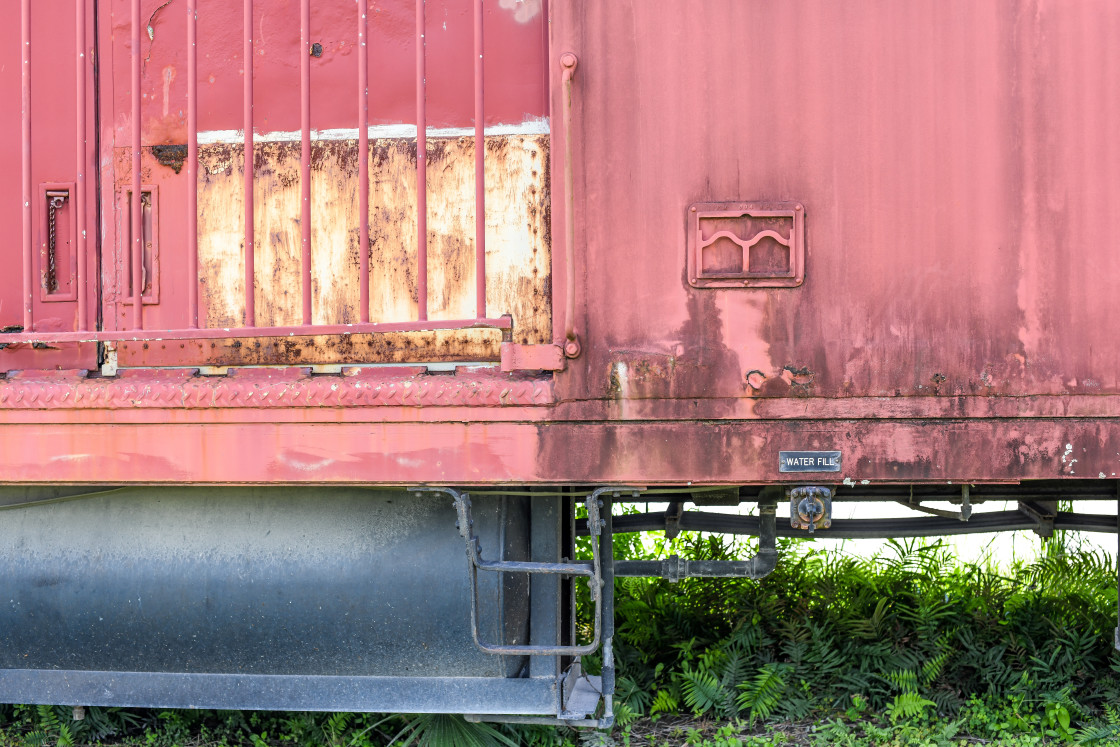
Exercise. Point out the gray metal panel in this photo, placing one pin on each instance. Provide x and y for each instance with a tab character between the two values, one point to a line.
276	581
482	695
544	613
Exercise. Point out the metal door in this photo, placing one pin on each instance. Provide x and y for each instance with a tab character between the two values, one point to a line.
48	181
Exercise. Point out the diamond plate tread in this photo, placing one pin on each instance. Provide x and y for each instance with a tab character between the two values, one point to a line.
268	388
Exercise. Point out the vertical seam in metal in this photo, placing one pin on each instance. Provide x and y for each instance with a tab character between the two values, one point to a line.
421	169
305	152
135	208
363	159
79	202
25	137
250	228
192	163
479	165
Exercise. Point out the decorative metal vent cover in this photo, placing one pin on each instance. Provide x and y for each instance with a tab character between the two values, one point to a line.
746	244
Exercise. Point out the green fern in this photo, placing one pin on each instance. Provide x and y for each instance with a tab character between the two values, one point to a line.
702	691
665	701
760	696
908	705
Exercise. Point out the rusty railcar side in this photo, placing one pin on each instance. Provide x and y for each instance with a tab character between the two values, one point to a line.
723	251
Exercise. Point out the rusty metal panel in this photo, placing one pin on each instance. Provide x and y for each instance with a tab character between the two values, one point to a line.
277	238
958	166
449	448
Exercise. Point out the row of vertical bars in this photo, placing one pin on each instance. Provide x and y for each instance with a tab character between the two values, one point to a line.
136	247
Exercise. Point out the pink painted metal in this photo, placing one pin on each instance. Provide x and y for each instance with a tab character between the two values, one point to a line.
363	162
951	323
305	151
532	357
137	248
479	165
273	389
192	165
447	451
250	159
568	62
25	170
81	227
421	165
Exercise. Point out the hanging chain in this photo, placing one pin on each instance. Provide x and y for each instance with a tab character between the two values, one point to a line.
55	201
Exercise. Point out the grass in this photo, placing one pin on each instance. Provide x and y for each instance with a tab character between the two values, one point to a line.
910	647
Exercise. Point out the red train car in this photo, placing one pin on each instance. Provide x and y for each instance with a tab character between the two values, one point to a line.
294	288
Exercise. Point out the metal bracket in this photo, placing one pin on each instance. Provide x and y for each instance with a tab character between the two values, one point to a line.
964	514
517	357
673	519
592	570
1043	517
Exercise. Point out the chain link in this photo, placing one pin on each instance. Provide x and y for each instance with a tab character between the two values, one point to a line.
56	201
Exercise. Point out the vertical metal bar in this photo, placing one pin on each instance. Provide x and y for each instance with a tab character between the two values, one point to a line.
250	238
79	200
479	169
25	141
421	169
135	206
1116	633
568	62
192	163
363	159
305	150
606	552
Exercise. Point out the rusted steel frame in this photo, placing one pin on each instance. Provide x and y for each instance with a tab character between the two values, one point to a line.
192	163
421	169
479	167
568	61
363	160
25	141
504	322
305	151
248	170
136	207
79	201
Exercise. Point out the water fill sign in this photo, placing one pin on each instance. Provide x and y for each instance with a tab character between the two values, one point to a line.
809	461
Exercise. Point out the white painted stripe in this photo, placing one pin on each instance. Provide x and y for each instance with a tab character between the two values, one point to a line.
376	132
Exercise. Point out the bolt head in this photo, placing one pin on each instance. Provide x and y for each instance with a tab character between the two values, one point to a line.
568	60
571	349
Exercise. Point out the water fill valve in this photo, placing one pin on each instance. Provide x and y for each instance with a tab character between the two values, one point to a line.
810	507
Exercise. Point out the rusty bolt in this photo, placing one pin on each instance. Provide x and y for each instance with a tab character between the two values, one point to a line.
568	60
572	348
